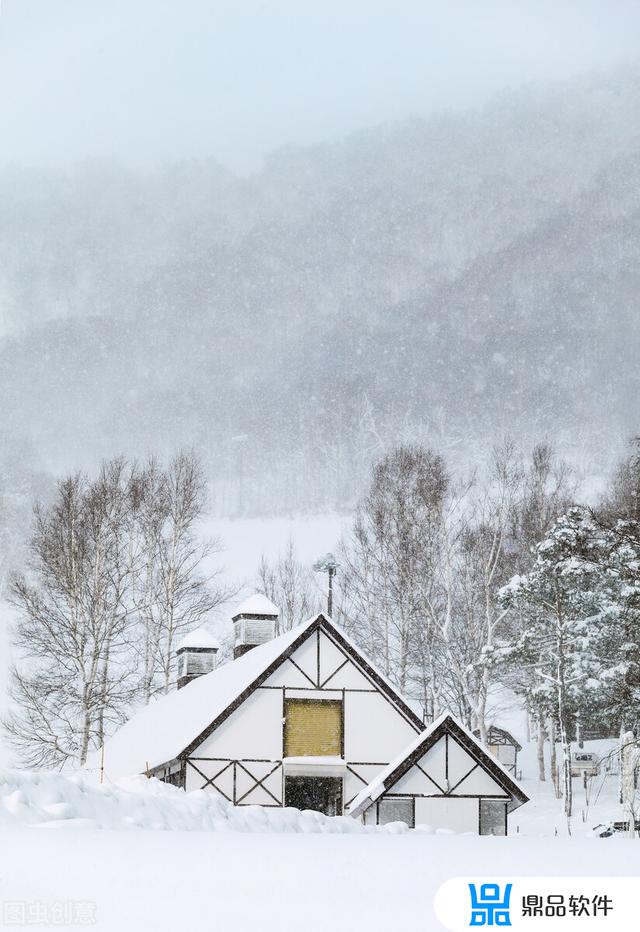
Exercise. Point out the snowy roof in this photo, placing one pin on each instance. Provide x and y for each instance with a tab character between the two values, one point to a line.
198	638
421	743
500	733
257	604
165	728
159	732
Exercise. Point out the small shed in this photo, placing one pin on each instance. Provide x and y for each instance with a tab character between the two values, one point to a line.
503	746
444	779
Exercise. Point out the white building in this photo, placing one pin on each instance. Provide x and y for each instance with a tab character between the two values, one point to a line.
305	720
446	779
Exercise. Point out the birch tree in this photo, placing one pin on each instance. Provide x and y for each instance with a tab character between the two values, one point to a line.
392	551
178	586
291	586
72	673
546	492
117	572
483	568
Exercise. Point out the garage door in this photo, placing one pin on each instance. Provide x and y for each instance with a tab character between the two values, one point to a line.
313	728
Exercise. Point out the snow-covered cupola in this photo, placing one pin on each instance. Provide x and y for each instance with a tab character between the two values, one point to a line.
254	623
196	655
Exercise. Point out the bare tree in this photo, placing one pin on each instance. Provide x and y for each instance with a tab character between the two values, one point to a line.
483	547
176	587
392	550
426	558
291	586
622	498
147	506
72	673
116	574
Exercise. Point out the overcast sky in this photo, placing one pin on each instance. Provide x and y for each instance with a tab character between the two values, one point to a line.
151	80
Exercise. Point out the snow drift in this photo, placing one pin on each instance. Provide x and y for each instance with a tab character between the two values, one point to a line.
51	800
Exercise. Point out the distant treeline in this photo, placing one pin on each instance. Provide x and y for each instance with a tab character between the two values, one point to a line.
441	282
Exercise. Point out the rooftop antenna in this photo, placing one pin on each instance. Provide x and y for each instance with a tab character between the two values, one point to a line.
328	564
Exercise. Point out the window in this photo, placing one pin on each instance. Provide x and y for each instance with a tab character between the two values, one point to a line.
395	810
493	817
313	728
196	664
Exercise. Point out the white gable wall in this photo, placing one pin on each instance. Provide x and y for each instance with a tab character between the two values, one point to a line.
306	658
459	761
446	784
434	763
254	730
480	783
290	676
416	783
375	731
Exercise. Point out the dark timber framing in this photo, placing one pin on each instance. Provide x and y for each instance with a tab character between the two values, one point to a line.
500	737
482	758
234	766
321	623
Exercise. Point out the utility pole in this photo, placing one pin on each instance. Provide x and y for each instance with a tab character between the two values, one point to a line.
328	564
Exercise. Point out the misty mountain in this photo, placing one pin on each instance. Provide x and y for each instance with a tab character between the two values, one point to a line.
449	280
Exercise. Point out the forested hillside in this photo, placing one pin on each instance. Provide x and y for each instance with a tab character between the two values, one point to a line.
450	280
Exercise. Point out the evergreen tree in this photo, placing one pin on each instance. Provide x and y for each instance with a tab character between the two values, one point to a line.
566	602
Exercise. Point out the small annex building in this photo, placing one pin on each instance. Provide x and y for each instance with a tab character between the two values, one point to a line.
503	746
303	719
444	779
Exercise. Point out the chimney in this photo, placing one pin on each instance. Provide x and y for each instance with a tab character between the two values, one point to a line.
254	623
196	655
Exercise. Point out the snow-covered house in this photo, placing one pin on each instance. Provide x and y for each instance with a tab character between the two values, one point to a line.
444	778
303	719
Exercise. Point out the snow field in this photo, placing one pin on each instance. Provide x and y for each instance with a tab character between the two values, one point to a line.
141	855
209	882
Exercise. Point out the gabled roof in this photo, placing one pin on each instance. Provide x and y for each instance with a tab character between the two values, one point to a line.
446	723
174	725
500	733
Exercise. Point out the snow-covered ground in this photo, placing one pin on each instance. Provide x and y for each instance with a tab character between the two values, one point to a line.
139	881
168	860
142	856
596	804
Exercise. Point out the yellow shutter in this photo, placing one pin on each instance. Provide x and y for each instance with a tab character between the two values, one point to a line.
313	728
